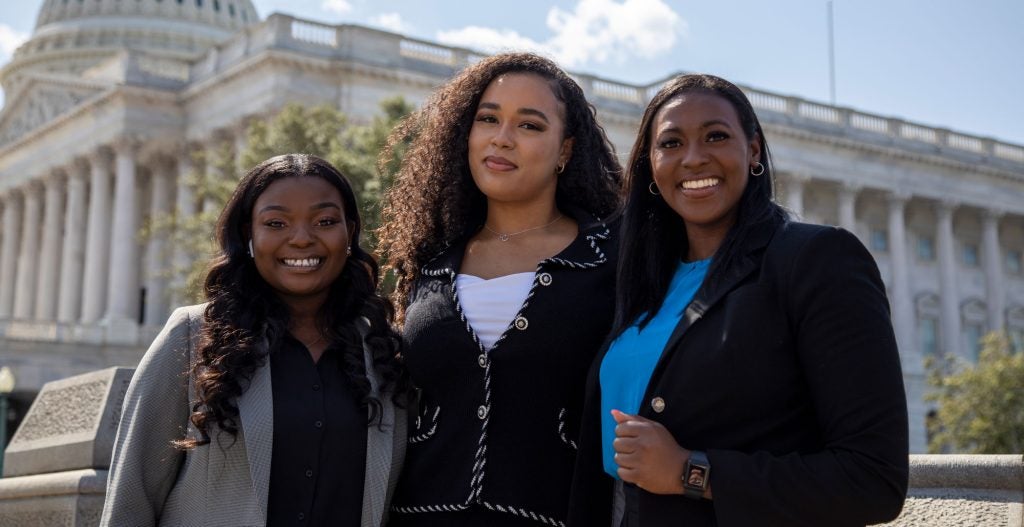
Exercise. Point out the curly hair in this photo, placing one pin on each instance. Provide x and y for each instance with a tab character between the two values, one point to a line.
245	319
653	236
434	201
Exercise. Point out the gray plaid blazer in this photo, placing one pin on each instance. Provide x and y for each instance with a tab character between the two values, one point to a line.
224	483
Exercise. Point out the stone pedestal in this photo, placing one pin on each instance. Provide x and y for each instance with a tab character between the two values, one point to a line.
70	426
55	469
62	499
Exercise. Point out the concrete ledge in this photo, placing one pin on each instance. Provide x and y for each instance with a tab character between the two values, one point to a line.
964	490
63	499
74	482
966	471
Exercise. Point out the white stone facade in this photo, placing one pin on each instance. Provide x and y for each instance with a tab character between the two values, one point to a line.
109	99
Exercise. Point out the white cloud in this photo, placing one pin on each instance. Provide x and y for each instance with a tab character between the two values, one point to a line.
391	22
594	31
490	40
336	6
10	39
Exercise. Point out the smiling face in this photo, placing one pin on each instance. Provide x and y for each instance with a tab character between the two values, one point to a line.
517	140
701	160
300	237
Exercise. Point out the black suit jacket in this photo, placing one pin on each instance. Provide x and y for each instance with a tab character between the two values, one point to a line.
786	372
497	430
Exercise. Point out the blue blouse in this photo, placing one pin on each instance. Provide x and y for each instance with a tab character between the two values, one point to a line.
627	367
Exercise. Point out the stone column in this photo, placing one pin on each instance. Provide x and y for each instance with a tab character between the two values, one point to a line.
123	288
241	138
950	296
9	252
160	208
50	259
795	194
97	247
28	256
847	206
902	304
993	269
185	207
73	253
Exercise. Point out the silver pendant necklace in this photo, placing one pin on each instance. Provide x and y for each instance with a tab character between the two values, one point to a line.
507	236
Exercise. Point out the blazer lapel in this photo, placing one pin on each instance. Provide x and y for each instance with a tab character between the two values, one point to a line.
378	451
256	412
708	296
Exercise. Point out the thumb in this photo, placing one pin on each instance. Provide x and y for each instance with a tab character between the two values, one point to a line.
622	417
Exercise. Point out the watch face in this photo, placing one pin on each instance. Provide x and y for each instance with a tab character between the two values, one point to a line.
696	476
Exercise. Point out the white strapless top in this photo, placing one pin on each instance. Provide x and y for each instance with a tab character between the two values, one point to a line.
490	305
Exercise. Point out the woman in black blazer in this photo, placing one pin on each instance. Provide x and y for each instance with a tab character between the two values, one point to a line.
753	377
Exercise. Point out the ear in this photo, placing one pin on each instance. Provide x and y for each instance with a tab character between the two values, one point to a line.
565	154
755	149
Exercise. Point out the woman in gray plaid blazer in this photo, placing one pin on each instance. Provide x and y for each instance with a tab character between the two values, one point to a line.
274	402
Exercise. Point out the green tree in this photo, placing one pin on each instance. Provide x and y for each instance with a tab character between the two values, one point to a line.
980	406
323	131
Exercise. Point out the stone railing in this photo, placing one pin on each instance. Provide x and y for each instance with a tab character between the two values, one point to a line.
380	48
125	333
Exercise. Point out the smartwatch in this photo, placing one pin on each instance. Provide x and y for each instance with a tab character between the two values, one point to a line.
696	475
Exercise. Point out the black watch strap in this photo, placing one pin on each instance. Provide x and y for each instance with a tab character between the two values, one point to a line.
696	475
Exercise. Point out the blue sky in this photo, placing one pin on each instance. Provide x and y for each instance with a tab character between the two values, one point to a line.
948	63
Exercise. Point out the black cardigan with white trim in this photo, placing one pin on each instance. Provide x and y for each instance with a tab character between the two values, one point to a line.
497	429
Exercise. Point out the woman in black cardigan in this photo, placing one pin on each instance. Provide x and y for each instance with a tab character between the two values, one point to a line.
754	377
496	228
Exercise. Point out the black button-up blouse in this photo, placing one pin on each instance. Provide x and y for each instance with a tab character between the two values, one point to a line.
319	455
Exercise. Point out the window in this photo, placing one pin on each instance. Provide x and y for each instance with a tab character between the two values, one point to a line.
969	255
231	10
879	240
925	249
927	332
216	5
972	341
1013	262
1016	339
199	3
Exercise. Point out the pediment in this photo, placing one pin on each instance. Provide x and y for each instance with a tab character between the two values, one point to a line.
39	101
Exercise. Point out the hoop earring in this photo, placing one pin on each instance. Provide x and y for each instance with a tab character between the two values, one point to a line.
652	189
759	167
560	169
348	250
250	248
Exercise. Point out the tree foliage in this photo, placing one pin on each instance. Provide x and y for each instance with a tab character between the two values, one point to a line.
980	406
323	131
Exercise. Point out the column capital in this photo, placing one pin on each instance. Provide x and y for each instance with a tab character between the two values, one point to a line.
992	215
946	205
850	187
11	193
898	197
102	156
32	188
78	168
127	145
56	176
797	177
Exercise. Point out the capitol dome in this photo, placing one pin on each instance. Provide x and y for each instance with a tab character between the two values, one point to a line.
73	35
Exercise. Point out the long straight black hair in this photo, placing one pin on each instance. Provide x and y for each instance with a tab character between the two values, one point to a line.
653	235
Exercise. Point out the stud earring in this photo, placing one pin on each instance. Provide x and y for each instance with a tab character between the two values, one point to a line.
653	190
250	248
758	167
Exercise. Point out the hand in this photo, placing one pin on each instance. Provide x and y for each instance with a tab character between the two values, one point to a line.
647	454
